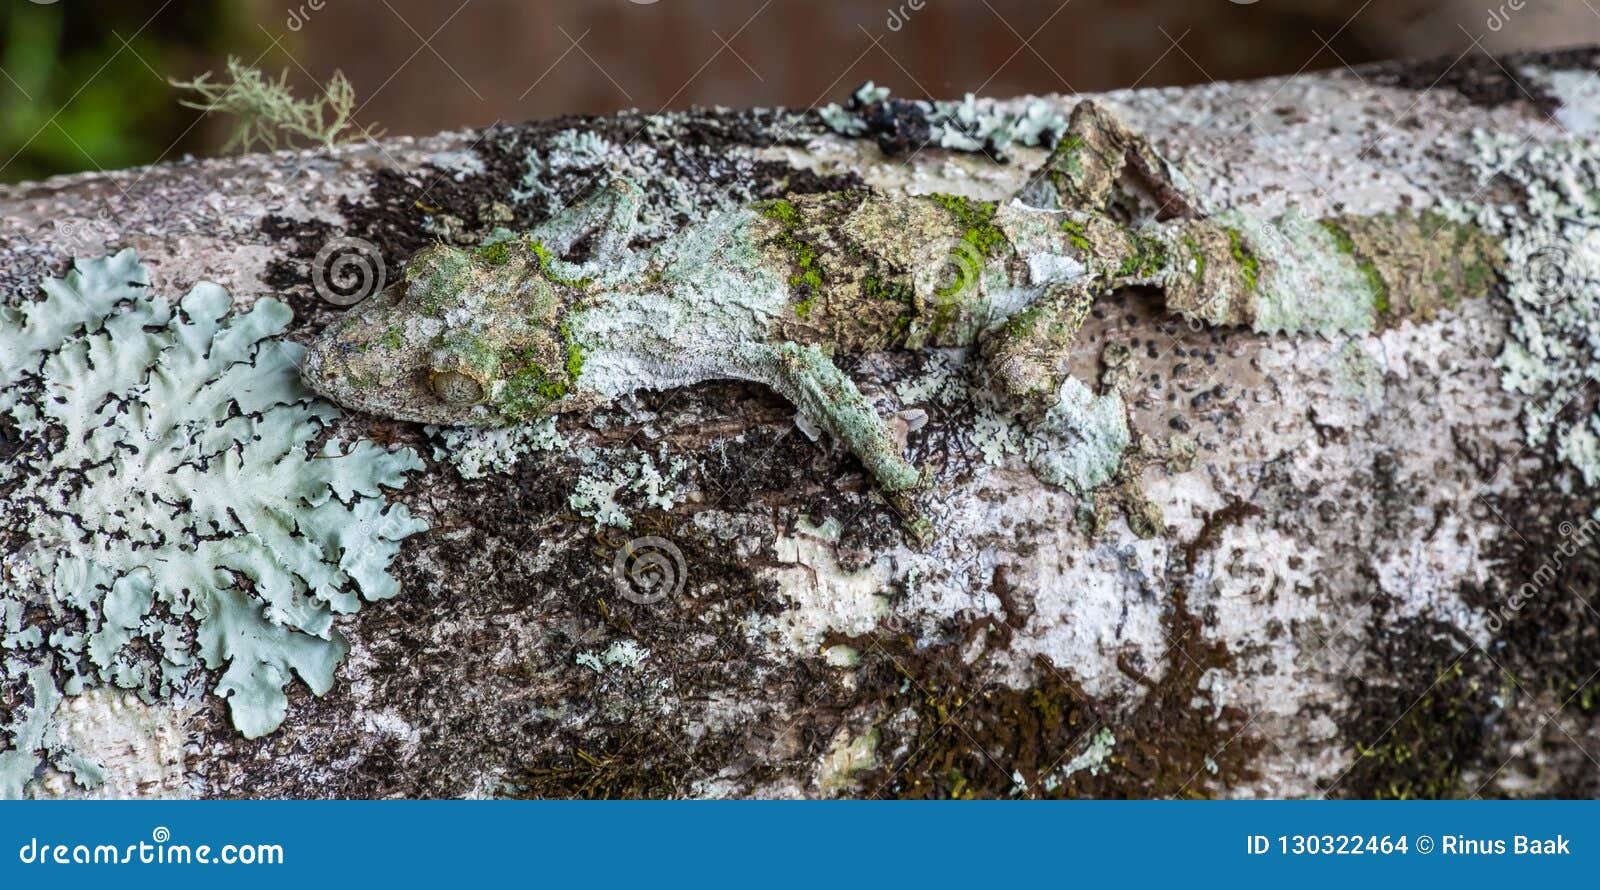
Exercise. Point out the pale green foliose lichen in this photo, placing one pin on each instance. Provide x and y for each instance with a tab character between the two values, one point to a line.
1551	240
30	731
626	654
173	514
478	452
597	491
971	124
1092	758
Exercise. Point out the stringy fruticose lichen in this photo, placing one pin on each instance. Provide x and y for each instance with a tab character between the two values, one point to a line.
173	516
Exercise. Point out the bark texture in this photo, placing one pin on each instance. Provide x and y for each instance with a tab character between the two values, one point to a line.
1338	601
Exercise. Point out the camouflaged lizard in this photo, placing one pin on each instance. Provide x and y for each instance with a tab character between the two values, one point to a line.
567	316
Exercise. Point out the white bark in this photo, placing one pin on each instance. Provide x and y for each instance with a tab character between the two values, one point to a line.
1369	465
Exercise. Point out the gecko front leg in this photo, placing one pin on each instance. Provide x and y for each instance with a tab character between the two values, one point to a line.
826	398
604	220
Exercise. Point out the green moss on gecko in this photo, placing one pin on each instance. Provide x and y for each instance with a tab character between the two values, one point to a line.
528	391
574	363
892	291
808	274
547	266
1075	234
496	254
976	219
1249	265
1148	257
1024	323
1368	269
780	209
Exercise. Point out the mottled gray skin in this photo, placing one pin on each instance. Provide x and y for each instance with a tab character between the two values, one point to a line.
567	316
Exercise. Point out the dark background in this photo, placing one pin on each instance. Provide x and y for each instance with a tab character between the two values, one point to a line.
83	83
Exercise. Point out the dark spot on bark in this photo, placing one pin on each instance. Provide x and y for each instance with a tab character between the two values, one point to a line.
899	126
970	736
1422	711
776	179
1481	79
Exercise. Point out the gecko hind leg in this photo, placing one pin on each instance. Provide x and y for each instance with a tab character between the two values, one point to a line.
1027	358
827	398
1090	159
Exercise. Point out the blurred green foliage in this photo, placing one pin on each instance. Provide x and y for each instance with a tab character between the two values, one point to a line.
83	82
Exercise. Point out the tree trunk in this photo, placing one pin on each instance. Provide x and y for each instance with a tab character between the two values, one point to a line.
1374	578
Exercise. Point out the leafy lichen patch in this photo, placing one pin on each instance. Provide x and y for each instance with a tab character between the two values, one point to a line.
173	501
1550	236
971	124
603	493
477	453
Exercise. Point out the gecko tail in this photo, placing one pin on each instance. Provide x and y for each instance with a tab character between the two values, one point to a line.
1417	264
1352	274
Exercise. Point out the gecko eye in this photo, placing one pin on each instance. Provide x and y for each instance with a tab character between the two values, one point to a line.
456	388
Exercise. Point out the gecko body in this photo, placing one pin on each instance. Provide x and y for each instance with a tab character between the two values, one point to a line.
567	316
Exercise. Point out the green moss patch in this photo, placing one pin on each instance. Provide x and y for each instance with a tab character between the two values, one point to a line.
1148	258
976	219
1369	270
496	254
547	266
1249	265
575	355
807	276
1076	234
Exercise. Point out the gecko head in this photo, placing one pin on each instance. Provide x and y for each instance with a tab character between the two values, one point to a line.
468	337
